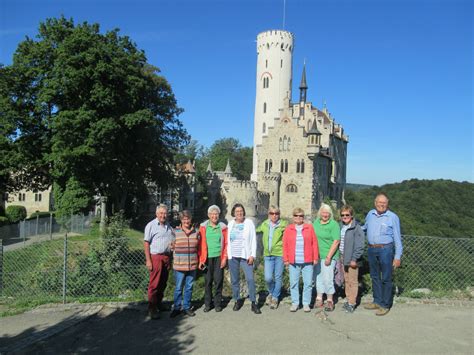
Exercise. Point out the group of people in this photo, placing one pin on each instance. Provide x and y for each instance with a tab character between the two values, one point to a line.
308	250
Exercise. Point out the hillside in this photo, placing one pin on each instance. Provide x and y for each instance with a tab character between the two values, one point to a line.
425	207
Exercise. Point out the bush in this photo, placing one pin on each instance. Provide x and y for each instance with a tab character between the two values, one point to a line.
15	213
40	214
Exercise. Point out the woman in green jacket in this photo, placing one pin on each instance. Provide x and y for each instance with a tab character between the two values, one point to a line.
272	229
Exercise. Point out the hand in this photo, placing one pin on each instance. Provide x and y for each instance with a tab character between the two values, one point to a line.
353	264
327	261
315	262
396	263
172	244
286	263
250	260
223	263
149	265
201	266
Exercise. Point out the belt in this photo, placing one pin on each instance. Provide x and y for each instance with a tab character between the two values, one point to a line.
165	254
379	245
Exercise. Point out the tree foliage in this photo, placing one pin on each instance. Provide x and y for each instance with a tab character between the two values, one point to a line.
425	207
85	111
15	213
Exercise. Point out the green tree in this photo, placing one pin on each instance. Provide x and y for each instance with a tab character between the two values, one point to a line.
85	111
240	158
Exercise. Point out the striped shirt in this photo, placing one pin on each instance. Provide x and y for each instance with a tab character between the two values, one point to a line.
185	257
237	240
344	228
160	237
299	249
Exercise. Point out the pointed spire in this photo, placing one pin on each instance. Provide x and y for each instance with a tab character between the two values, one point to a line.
228	170
209	167
303	85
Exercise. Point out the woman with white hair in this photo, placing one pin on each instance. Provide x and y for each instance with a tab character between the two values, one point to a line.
329	234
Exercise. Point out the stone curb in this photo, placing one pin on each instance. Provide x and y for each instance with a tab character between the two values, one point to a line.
29	340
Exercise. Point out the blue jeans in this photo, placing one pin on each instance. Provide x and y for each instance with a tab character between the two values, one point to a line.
324	276
234	266
380	264
186	278
307	271
273	274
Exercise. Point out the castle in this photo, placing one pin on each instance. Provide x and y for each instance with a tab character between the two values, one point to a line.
299	151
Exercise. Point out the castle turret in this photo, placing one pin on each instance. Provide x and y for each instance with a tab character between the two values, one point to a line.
303	86
273	83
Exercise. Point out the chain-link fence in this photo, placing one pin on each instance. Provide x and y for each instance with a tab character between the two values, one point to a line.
72	268
45	227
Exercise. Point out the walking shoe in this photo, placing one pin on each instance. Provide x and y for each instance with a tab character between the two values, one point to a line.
174	313
293	308
218	309
238	305
344	306
349	308
153	314
382	311
274	304
255	308
306	308
268	300
207	308
189	312
329	306
371	306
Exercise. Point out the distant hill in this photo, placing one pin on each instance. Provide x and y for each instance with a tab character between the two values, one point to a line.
425	207
358	187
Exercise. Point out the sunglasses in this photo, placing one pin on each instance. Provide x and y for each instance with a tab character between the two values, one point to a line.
274	213
298	215
345	215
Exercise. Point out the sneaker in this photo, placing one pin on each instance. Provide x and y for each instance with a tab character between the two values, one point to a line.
238	305
189	312
274	304
306	308
174	313
207	308
382	311
344	306
349	308
153	314
255	308
371	306
268	300
293	308
218	309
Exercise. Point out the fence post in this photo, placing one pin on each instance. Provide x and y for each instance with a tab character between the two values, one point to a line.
1	266
51	225
37	224
24	231
65	269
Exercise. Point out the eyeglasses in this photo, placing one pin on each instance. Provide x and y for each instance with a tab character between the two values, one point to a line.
298	215
345	215
274	213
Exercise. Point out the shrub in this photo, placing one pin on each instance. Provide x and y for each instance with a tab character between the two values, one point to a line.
16	213
40	214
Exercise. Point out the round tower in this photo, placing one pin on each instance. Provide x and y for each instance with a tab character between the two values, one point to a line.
273	83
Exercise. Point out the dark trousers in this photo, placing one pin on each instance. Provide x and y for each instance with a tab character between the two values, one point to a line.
158	279
214	275
380	264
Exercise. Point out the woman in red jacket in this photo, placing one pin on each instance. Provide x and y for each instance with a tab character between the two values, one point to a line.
300	253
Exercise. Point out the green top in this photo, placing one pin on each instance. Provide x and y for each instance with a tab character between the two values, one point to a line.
326	235
213	240
277	238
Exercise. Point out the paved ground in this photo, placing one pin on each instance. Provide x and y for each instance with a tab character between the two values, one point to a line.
408	328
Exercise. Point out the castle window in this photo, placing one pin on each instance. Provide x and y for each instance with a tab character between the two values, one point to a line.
291	188
266	82
284	143
286	165
282	166
266	165
281	64
264	107
264	127
266	63
270	164
288	144
298	166
21	197
37	197
302	166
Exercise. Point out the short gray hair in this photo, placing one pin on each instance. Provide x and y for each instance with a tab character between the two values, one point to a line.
325	208
274	208
161	206
213	208
184	214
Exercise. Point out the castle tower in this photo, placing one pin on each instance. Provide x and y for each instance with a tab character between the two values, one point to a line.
273	83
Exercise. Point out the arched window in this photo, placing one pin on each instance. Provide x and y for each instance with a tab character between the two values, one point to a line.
266	165
264	127
270	164
291	188
286	165
302	166
284	143
264	107
288	144
282	166
280	147
298	166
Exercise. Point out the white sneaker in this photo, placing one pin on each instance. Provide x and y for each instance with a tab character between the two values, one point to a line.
293	308
306	308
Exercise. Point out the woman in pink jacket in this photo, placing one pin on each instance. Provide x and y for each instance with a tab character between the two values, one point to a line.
300	253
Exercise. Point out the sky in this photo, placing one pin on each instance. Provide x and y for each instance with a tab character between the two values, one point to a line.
397	74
